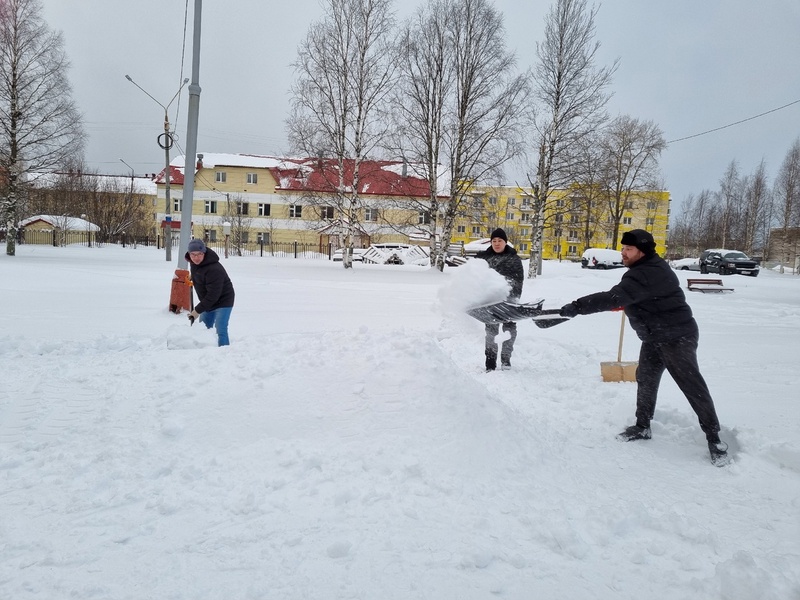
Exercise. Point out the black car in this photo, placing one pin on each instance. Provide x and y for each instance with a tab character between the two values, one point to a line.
726	262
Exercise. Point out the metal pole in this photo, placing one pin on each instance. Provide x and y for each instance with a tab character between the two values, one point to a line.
168	211
191	140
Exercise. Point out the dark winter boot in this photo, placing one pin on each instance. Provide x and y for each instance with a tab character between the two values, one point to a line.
505	363
719	453
635	432
491	364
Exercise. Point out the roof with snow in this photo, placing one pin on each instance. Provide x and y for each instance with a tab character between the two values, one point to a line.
65	223
376	177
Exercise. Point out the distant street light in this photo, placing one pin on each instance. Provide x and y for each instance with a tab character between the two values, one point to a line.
226	229
165	141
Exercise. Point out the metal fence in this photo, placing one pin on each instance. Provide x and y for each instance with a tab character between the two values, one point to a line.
90	239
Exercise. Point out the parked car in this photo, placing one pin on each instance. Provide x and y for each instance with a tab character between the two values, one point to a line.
358	254
685	264
726	262
601	258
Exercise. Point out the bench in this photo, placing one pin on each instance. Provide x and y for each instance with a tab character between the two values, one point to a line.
707	285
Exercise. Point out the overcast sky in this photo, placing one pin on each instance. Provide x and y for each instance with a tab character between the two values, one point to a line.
688	65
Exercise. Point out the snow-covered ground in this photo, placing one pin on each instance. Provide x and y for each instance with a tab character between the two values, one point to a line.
349	445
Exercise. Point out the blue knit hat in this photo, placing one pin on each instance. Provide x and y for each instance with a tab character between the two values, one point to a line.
196	246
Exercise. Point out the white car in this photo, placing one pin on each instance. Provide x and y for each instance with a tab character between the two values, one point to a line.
358	254
685	264
601	258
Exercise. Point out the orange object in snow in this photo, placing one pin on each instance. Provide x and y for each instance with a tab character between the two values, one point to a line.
181	295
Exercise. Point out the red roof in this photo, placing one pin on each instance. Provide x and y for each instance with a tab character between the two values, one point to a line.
376	177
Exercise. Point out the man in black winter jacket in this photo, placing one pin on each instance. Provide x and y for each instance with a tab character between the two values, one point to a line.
214	290
503	259
656	306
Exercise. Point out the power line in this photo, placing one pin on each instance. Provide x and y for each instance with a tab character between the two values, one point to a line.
688	137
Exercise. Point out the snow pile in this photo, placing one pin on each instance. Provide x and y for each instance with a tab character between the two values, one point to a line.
349	445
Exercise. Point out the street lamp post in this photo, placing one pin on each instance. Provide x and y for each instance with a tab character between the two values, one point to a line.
226	229
165	141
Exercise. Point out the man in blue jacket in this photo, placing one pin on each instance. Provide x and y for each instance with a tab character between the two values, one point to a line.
214	290
503	259
656	306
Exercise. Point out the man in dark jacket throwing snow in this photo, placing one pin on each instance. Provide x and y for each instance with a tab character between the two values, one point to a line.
656	306
503	259
214	290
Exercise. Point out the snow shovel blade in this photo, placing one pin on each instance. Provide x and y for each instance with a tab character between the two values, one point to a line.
548	318
504	312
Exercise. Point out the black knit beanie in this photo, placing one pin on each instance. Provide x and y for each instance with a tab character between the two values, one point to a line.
499	233
641	239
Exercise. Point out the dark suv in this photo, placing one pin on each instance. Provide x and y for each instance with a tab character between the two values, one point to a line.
726	262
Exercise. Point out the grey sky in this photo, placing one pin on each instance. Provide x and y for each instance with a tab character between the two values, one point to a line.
688	65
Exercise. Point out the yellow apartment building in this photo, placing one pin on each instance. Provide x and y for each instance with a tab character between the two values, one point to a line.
573	221
278	200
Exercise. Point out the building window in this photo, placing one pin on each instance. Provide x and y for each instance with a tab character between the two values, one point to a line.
559	203
177	204
572	235
295	211
557	233
461	229
629	205
252	178
572	249
211	207
210	235
557	248
525	218
512	201
525	232
651	222
559	218
326	212
509	216
242	208
222	177
651	204
627	220
262	237
424	217
523	247
263	210
476	230
370	214
574	219
492	200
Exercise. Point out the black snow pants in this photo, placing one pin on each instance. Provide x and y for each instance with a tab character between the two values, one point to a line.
492	330
679	357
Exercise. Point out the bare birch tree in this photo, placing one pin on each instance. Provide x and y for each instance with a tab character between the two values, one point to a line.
464	104
630	153
40	126
729	200
787	195
345	70
756	208
420	104
570	97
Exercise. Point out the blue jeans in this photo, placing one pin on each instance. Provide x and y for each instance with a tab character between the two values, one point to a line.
218	318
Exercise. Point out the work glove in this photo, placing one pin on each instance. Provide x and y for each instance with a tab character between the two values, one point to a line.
192	316
569	310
